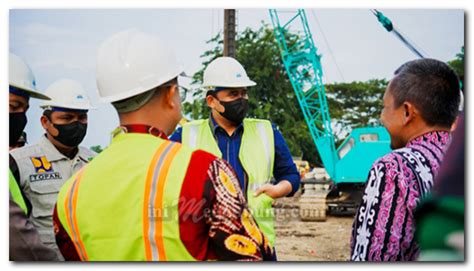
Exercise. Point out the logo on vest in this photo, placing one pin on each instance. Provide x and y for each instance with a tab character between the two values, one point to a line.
45	176
41	164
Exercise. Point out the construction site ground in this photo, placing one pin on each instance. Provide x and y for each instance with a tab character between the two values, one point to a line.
310	241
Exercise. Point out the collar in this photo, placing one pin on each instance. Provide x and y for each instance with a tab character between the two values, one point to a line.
139	129
214	125
437	137
52	154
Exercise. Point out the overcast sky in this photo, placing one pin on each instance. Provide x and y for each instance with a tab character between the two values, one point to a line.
62	44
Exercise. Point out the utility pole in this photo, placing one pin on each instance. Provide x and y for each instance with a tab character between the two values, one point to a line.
229	32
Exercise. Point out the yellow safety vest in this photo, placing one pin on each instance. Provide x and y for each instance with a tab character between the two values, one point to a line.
123	206
16	192
257	155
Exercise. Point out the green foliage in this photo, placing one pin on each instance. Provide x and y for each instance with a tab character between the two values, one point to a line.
198	108
457	64
97	148
355	104
351	104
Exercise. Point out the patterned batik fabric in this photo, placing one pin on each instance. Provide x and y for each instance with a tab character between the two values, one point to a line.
383	227
234	232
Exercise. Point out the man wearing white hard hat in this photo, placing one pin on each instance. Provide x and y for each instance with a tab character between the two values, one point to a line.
22	87
25	244
253	147
146	198
42	168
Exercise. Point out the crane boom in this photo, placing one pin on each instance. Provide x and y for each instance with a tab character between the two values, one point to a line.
303	66
388	25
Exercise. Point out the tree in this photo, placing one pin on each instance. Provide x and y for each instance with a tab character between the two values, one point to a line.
457	64
354	105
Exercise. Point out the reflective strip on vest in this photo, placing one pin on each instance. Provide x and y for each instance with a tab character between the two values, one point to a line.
193	130
255	186
71	203
153	203
266	145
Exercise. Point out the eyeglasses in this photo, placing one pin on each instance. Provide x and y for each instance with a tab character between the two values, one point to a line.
183	92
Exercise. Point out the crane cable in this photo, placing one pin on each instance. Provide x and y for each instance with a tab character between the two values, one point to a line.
329	46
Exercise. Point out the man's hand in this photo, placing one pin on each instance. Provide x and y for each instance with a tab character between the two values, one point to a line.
278	190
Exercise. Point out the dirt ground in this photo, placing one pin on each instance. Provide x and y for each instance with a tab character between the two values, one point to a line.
310	241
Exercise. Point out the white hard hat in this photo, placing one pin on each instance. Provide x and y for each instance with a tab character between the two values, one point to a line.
21	77
226	72
67	93
132	62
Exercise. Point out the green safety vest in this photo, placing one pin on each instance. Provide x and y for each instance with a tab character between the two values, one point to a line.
123	206
257	155
16	192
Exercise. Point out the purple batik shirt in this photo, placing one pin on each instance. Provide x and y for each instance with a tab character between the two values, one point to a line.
383	227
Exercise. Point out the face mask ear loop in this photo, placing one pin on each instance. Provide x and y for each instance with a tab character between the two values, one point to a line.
214	94
52	124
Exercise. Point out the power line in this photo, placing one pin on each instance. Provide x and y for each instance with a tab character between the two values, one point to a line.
212	23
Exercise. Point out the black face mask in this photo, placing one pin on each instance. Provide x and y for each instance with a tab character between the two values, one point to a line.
71	134
17	125
236	110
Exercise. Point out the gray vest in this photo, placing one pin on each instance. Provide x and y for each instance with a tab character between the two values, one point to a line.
43	170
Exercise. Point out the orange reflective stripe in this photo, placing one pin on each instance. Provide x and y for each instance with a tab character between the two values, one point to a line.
153	203
66	209
147	209
71	207
159	199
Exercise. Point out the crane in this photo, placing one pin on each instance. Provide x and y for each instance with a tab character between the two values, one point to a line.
348	165
303	67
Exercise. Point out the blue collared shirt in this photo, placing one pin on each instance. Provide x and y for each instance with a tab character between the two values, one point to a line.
284	168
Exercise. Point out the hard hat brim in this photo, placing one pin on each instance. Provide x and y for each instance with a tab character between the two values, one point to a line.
32	93
249	83
141	89
46	106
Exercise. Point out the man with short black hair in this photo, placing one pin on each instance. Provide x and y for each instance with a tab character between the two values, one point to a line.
420	105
